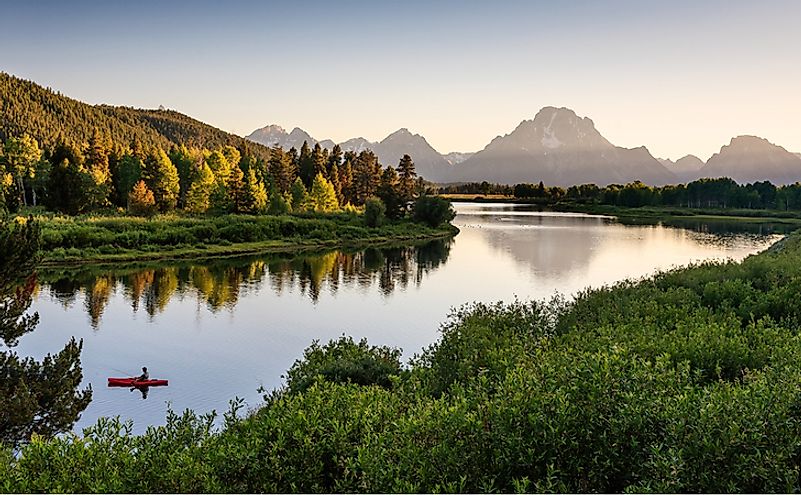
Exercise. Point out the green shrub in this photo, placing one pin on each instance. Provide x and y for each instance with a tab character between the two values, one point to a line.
374	212
344	361
432	210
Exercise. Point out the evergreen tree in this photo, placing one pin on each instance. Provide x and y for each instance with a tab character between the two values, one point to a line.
232	155
322	197
236	190
200	188
366	176
406	178
97	165
69	182
346	182
320	160
279	203
129	172
300	198
306	165
334	180
184	161
281	169
255	193
334	160
219	164
389	193
161	177
141	200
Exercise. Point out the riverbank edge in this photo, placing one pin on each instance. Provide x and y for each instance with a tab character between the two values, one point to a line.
656	213
216	251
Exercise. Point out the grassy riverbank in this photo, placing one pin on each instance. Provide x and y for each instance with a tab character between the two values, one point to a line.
85	239
688	381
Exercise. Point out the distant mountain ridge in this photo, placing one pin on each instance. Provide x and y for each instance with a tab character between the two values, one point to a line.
750	159
686	168
428	162
560	148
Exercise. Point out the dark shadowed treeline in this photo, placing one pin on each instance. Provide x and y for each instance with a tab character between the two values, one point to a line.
703	193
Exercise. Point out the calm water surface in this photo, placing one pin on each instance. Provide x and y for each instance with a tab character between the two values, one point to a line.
221	329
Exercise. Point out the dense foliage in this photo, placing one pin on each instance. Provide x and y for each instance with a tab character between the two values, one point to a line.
703	193
684	382
344	361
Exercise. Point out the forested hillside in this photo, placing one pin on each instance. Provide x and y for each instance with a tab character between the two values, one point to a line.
75	158
48	116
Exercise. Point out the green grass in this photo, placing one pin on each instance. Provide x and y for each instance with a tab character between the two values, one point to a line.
83	239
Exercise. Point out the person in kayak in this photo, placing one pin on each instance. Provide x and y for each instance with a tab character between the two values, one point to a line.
141	378
144	376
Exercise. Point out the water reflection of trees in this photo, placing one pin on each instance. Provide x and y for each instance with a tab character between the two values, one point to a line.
219	284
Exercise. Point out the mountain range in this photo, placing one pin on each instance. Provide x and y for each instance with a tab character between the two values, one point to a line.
428	162
561	148
557	147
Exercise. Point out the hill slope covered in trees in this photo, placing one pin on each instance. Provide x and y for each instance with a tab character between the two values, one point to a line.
46	115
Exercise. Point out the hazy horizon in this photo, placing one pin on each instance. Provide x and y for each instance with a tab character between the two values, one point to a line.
679	78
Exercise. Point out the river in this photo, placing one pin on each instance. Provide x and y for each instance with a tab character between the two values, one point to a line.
222	329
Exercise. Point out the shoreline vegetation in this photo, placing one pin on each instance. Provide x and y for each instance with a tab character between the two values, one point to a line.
641	212
90	239
686	381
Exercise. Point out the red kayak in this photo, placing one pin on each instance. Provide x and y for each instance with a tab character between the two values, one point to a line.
133	382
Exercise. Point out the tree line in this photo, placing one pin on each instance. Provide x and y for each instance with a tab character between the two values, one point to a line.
702	193
143	179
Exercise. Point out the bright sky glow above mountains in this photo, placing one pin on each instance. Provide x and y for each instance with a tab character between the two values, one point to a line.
678	77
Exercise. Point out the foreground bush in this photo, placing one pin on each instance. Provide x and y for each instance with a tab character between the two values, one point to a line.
685	382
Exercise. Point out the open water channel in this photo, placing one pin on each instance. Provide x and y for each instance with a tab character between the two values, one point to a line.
221	329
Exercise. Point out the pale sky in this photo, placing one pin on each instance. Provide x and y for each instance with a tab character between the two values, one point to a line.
677	76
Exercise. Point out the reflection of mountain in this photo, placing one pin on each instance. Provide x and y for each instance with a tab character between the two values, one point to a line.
220	283
552	246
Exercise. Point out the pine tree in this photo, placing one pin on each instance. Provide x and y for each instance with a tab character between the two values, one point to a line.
346	182
129	172
69	181
279	203
200	188
407	178
97	165
389	192
161	177
236	190
255	193
306	166
281	169
334	160
320	160
300	198
334	180
366	176
323	197
141	200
